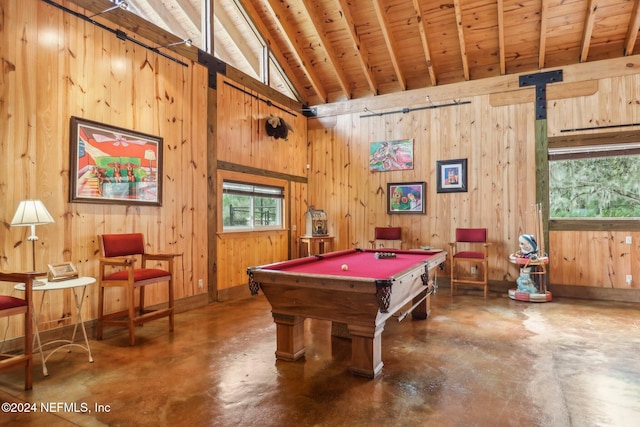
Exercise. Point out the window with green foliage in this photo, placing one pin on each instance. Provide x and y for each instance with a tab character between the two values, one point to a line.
248	206
595	181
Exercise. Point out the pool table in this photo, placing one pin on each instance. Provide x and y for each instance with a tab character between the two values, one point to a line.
356	287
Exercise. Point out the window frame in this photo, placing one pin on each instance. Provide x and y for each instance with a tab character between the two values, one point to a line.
257	181
269	65
612	139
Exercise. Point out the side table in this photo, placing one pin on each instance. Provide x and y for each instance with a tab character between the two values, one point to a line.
74	285
308	242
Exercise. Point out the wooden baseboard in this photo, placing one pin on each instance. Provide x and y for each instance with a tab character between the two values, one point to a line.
595	293
234	293
563	291
64	332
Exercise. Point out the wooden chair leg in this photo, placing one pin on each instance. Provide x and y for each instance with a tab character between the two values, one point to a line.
452	277
28	350
141	291
131	303
171	305
100	313
486	277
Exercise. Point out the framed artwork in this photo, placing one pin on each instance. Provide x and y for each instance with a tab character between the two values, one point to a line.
451	176
406	197
63	271
391	155
114	165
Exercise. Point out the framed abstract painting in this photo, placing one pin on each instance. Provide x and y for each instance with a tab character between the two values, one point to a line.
406	197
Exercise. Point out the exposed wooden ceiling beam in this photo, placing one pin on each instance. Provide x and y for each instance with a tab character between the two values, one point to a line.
463	45
391	48
632	31
588	29
544	15
273	46
360	50
503	65
326	45
422	27
276	9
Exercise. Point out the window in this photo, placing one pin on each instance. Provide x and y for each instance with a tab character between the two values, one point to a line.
236	40
595	181
248	206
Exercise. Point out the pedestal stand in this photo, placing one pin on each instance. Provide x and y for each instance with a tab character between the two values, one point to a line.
538	268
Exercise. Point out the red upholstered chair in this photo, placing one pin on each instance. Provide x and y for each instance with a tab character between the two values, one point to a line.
390	237
472	249
12	306
120	254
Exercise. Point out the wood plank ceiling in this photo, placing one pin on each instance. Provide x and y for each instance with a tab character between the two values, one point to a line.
334	50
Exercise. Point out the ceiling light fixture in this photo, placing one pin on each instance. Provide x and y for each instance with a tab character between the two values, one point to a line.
186	42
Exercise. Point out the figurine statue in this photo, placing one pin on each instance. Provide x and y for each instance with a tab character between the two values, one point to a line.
528	247
529	250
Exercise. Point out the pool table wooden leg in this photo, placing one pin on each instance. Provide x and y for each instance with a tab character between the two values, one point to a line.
423	309
289	336
366	350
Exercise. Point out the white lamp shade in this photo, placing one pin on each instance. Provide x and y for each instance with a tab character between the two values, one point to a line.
31	212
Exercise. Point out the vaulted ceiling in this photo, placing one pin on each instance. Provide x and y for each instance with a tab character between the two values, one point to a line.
335	50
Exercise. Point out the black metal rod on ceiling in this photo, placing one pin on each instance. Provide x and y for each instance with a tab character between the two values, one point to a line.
408	110
118	33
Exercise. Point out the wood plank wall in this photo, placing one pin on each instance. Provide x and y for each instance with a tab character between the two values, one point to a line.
55	66
491	139
246	153
496	133
600	258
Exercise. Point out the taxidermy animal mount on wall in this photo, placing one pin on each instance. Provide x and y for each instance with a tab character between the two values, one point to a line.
277	127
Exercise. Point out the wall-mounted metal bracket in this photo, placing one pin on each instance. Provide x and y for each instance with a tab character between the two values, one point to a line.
540	81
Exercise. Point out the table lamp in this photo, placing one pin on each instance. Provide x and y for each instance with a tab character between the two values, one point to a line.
31	213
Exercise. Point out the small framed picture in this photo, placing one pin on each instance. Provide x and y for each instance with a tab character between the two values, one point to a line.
406	197
62	271
451	176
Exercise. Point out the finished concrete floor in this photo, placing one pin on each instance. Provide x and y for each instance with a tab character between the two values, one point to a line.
474	362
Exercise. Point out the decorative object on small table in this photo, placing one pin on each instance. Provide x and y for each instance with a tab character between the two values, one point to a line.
62	271
316	222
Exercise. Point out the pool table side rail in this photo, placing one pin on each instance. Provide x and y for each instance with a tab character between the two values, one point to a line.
268	274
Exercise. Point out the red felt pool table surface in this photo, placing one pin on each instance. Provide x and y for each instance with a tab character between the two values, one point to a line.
361	263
